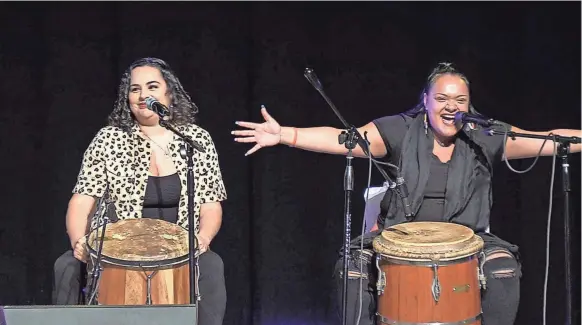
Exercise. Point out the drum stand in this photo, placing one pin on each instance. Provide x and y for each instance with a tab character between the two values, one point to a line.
97	266
96	272
562	152
187	152
349	139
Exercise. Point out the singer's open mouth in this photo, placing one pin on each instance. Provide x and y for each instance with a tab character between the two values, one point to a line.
448	119
142	105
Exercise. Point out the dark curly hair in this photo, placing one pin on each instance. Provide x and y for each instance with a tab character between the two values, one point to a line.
182	110
441	69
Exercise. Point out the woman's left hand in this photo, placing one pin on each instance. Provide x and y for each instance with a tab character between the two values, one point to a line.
203	243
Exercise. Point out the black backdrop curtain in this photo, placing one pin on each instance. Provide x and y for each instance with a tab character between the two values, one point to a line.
60	65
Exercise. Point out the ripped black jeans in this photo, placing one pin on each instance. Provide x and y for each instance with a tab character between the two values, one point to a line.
499	301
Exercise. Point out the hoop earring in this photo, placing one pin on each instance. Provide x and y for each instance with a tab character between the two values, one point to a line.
425	124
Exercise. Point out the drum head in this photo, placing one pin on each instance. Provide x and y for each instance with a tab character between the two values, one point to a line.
428	241
141	242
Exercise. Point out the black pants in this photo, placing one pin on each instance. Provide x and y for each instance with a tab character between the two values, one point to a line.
68	280
499	302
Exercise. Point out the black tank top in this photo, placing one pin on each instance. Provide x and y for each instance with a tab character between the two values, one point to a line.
162	197
433	204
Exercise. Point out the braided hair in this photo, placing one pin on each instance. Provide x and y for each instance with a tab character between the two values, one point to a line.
443	68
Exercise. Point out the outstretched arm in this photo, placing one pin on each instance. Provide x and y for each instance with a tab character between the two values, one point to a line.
317	139
528	148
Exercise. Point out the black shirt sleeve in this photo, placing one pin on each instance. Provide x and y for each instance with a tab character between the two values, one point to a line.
493	144
392	130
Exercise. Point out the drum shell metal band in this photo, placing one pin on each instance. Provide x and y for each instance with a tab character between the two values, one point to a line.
386	321
381	283
142	264
426	262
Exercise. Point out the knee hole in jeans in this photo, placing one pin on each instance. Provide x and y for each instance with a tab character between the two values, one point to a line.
356	275
503	272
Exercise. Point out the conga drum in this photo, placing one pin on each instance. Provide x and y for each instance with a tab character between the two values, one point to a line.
429	273
143	262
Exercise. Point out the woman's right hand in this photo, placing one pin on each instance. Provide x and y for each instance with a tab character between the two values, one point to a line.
80	249
266	134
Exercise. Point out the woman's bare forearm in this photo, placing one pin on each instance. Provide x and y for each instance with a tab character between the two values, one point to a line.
325	140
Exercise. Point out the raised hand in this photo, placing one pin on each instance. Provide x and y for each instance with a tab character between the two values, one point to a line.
265	134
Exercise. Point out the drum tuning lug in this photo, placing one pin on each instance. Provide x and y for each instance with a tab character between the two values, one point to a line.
436	286
381	283
482	279
480	273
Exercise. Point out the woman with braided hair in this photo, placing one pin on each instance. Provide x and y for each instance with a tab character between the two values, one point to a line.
448	169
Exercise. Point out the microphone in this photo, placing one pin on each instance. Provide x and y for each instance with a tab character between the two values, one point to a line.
164	113
462	118
312	77
403	191
155	106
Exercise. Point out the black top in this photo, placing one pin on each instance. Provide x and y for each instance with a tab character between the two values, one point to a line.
459	191
433	205
162	197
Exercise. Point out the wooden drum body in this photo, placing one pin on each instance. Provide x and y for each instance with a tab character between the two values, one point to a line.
429	273
143	261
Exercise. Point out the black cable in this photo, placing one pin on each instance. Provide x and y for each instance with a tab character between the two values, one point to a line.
554	153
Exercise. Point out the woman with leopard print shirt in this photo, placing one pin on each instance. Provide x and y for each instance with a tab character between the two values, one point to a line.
146	178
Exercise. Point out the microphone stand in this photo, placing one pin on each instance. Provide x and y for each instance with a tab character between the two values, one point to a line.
187	151
563	151
349	139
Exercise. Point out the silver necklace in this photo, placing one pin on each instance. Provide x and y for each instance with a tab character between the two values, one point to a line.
440	143
165	150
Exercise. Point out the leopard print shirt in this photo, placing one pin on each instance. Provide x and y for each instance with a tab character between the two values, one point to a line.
118	162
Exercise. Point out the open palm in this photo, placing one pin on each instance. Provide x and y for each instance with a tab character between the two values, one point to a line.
265	134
